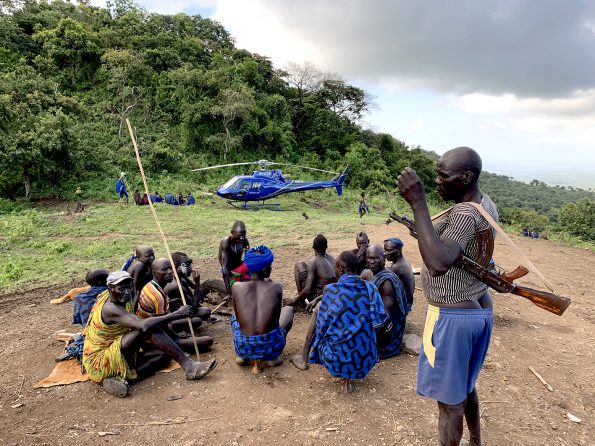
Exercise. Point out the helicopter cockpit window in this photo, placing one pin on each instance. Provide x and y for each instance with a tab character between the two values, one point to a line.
231	184
256	185
244	185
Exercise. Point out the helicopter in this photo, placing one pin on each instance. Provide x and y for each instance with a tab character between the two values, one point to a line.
264	184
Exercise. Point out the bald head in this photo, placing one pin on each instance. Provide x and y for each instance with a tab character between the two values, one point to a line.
145	254
159	264
162	270
463	159
375	258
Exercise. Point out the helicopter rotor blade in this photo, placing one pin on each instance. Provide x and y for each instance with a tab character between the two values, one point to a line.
306	167
224	165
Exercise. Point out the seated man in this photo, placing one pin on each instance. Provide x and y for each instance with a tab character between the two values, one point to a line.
311	278
170	199
153	302
390	336
260	323
140	269
83	302
231	250
362	242
114	336
137	197
156	198
190	200
190	280
393	252
342	331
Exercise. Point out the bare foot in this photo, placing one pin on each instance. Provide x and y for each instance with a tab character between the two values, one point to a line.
199	370
346	386
275	362
256	367
299	362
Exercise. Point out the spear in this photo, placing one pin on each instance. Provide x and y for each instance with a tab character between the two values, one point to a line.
161	233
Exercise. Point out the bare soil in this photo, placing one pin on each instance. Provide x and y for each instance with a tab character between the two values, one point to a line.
286	406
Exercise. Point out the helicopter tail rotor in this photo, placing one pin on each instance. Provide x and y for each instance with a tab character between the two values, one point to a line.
341	180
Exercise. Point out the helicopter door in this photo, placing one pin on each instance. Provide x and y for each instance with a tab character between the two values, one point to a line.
255	187
243	187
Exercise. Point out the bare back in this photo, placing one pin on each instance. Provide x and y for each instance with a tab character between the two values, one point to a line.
257	306
402	268
323	268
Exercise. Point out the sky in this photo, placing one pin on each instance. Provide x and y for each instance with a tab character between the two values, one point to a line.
513	79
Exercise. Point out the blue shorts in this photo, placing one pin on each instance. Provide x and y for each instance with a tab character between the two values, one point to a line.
455	344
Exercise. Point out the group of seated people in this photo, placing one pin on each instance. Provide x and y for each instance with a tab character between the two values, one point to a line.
531	234
359	305
175	200
138	318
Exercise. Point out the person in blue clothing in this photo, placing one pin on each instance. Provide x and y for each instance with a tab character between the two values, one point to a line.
190	200
342	332
171	199
121	188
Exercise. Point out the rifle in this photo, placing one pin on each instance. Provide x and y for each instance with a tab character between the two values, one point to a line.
502	283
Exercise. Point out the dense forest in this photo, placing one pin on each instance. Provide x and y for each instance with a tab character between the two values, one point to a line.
71	73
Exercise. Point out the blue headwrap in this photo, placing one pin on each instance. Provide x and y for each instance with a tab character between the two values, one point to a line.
258	258
395	240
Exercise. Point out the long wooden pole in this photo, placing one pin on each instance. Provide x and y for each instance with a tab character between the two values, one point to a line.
167	250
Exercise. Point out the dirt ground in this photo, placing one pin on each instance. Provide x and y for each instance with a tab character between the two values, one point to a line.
286	406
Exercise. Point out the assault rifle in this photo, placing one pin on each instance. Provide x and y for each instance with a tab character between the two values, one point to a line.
503	283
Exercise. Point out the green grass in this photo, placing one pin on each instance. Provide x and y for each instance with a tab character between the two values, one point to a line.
47	248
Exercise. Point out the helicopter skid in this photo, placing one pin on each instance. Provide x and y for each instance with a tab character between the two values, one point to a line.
245	206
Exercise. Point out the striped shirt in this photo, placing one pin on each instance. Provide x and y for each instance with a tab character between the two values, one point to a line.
152	301
460	225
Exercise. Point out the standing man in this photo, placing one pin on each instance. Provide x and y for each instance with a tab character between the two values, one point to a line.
312	277
393	251
121	188
459	318
231	250
390	335
363	205
260	321
362	242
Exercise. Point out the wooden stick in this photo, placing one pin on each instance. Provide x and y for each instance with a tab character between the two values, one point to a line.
167	250
540	378
219	306
167	422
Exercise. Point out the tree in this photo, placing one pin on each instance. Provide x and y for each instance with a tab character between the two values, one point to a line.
344	100
578	219
70	45
232	107
39	143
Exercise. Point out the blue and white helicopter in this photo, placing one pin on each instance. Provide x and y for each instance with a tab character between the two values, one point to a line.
264	184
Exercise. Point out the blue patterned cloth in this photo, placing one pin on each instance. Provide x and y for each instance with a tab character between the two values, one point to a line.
83	302
264	347
390	335
345	338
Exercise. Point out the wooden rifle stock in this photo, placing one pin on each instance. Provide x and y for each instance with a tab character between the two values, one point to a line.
548	301
502	283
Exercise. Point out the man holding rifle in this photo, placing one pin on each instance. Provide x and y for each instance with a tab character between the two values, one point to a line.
459	318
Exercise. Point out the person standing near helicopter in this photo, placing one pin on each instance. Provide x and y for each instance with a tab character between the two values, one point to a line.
231	250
